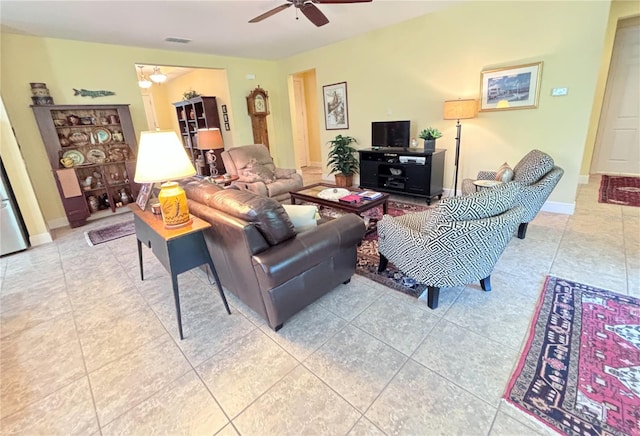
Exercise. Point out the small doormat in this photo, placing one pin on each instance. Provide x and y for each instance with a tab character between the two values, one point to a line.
368	257
109	233
621	190
580	369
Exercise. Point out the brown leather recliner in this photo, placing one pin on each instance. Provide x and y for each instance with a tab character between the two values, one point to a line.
257	172
260	258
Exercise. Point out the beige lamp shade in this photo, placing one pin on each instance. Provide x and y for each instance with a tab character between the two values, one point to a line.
210	139
460	109
161	157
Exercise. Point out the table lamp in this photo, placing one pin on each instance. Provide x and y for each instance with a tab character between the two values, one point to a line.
459	110
162	158
210	139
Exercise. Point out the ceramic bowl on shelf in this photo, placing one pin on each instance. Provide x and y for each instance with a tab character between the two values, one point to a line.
60	122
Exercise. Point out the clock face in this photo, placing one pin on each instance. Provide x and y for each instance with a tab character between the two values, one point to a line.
259	104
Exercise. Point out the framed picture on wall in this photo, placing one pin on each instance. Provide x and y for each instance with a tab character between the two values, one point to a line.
510	88
336	114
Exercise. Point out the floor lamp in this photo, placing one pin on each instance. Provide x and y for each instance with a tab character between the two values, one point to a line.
210	140
459	110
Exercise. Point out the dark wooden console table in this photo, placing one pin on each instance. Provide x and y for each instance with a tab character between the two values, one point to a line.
178	250
410	171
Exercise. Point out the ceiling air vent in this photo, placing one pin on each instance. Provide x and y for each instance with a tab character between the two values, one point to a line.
177	40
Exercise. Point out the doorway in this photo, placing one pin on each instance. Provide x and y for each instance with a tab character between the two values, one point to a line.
304	120
617	149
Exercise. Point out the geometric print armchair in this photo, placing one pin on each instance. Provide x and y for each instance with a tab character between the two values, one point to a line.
538	176
455	243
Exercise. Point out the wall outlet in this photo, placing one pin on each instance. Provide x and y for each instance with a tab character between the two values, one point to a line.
557	92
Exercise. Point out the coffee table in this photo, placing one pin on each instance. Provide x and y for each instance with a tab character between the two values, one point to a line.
310	194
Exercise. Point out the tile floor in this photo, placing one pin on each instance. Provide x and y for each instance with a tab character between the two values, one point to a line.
87	348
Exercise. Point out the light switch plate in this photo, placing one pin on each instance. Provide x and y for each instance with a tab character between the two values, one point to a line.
556	92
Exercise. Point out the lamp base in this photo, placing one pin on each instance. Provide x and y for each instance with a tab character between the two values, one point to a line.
174	207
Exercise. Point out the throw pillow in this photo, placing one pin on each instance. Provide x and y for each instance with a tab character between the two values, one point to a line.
254	172
504	173
303	216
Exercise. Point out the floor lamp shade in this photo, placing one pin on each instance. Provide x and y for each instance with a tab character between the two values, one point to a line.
162	158
459	110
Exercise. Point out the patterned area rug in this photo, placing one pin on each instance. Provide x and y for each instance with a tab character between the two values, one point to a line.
620	190
109	233
580	370
368	258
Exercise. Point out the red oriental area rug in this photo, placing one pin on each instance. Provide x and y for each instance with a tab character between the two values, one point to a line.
580	369
620	190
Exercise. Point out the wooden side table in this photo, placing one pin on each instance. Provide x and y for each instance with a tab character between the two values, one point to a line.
178	250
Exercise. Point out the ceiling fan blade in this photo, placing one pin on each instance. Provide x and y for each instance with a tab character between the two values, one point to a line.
270	13
340	1
314	15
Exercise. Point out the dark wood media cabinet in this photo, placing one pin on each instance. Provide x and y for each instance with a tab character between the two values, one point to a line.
407	171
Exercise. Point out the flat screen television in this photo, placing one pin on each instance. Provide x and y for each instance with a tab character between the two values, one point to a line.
390	133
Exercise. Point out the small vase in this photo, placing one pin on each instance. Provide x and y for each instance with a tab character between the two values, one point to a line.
430	145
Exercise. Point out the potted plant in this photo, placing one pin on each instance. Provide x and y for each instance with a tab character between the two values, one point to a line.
430	135
342	161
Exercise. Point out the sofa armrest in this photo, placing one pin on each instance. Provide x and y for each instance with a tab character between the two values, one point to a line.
297	255
259	188
487	175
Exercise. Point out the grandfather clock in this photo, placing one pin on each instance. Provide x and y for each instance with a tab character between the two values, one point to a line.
258	107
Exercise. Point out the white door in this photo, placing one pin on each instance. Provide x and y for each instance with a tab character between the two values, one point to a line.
150	111
618	140
300	139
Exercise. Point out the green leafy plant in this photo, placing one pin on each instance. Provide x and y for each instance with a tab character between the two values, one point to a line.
430	133
190	94
341	158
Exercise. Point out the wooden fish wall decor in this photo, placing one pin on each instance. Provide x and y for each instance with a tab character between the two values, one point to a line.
92	94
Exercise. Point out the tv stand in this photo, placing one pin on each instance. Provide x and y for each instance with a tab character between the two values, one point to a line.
410	171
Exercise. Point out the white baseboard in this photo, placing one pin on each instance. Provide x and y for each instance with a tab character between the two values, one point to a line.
57	223
42	238
557	207
583	180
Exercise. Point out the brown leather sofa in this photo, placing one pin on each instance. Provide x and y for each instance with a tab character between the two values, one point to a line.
260	258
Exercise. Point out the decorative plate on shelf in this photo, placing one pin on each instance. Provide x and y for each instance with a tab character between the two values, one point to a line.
103	136
95	155
333	193
78	138
75	155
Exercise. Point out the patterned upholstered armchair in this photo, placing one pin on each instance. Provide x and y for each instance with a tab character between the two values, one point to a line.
456	243
257	173
538	175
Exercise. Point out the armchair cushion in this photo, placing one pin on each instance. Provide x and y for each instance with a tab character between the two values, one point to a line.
256	172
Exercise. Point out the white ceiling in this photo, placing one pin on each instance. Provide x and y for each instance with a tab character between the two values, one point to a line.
215	26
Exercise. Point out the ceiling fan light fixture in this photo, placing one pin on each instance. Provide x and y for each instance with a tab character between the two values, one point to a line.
157	76
143	82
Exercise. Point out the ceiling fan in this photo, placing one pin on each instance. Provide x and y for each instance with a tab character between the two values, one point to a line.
308	8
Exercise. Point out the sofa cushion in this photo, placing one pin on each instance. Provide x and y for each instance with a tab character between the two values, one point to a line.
265	213
532	167
199	190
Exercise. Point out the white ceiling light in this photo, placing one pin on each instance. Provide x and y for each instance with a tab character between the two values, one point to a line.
157	76
143	82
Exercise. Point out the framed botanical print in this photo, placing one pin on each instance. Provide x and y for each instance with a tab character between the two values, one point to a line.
336	114
510	88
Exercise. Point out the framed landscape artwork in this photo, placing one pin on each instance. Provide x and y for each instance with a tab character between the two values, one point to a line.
336	114
509	88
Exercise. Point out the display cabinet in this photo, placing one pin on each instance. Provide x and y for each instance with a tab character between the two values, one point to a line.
92	152
193	114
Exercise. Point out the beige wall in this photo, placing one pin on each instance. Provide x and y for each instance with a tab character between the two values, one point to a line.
620	9
405	71
64	65
311	100
408	70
